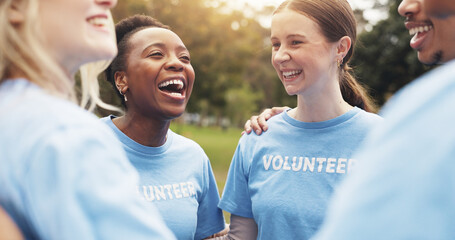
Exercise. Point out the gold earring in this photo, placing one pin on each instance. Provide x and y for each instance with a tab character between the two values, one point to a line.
123	94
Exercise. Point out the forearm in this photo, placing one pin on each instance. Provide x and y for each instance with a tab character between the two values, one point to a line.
241	228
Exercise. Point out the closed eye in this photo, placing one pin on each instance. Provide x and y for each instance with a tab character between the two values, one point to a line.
185	58
155	54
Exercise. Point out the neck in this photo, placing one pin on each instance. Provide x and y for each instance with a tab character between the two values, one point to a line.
146	131
321	106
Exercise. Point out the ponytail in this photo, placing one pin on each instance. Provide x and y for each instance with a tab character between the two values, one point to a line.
354	92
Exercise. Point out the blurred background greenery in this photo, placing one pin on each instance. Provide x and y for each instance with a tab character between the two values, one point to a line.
230	51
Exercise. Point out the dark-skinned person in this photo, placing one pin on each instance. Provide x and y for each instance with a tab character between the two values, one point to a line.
153	76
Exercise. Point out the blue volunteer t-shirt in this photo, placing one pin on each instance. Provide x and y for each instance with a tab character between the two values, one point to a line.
285	177
177	178
404	188
64	175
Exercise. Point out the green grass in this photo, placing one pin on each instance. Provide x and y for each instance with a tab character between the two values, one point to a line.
218	144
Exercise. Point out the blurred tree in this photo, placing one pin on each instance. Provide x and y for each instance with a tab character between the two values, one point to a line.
241	103
228	51
383	59
231	52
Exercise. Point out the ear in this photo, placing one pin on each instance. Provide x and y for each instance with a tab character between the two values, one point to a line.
16	12
344	44
121	81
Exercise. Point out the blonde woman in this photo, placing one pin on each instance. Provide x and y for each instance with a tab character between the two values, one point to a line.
63	174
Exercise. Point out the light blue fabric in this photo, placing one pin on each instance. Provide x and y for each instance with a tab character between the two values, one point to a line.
63	175
178	179
284	178
405	186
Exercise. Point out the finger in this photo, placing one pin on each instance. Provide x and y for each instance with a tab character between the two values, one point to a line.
255	125
278	110
247	127
262	121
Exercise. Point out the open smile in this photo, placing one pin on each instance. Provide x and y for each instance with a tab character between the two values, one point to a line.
289	75
173	87
420	30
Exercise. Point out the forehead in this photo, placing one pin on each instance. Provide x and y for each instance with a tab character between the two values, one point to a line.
155	35
291	21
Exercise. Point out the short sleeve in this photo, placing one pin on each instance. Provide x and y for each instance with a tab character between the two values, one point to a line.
236	198
210	217
79	185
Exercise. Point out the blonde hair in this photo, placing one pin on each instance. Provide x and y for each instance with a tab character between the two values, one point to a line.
23	53
90	95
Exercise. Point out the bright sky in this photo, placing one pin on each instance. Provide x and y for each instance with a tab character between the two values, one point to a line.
371	14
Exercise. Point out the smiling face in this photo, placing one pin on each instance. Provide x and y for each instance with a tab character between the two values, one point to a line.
302	57
78	31
159	74
433	38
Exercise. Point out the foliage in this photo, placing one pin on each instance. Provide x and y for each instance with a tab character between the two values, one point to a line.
384	61
230	53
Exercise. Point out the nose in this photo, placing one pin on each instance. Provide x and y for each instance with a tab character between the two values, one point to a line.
280	55
174	64
107	3
409	7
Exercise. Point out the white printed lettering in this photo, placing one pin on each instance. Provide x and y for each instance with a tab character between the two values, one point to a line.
280	162
341	168
191	190
159	192
184	189
168	188
331	165
176	191
321	162
294	168
286	165
148	197
267	162
308	165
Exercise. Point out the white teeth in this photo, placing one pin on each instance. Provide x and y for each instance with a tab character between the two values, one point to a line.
176	94
420	29
177	82
98	21
291	73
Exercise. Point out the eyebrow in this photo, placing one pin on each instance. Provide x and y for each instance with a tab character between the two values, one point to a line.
291	36
163	45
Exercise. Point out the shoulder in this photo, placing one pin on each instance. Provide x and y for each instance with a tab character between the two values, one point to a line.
185	146
183	141
428	92
367	119
36	118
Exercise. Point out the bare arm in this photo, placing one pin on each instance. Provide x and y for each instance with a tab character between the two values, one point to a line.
258	124
241	228
8	229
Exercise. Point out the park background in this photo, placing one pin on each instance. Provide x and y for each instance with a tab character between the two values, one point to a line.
230	52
